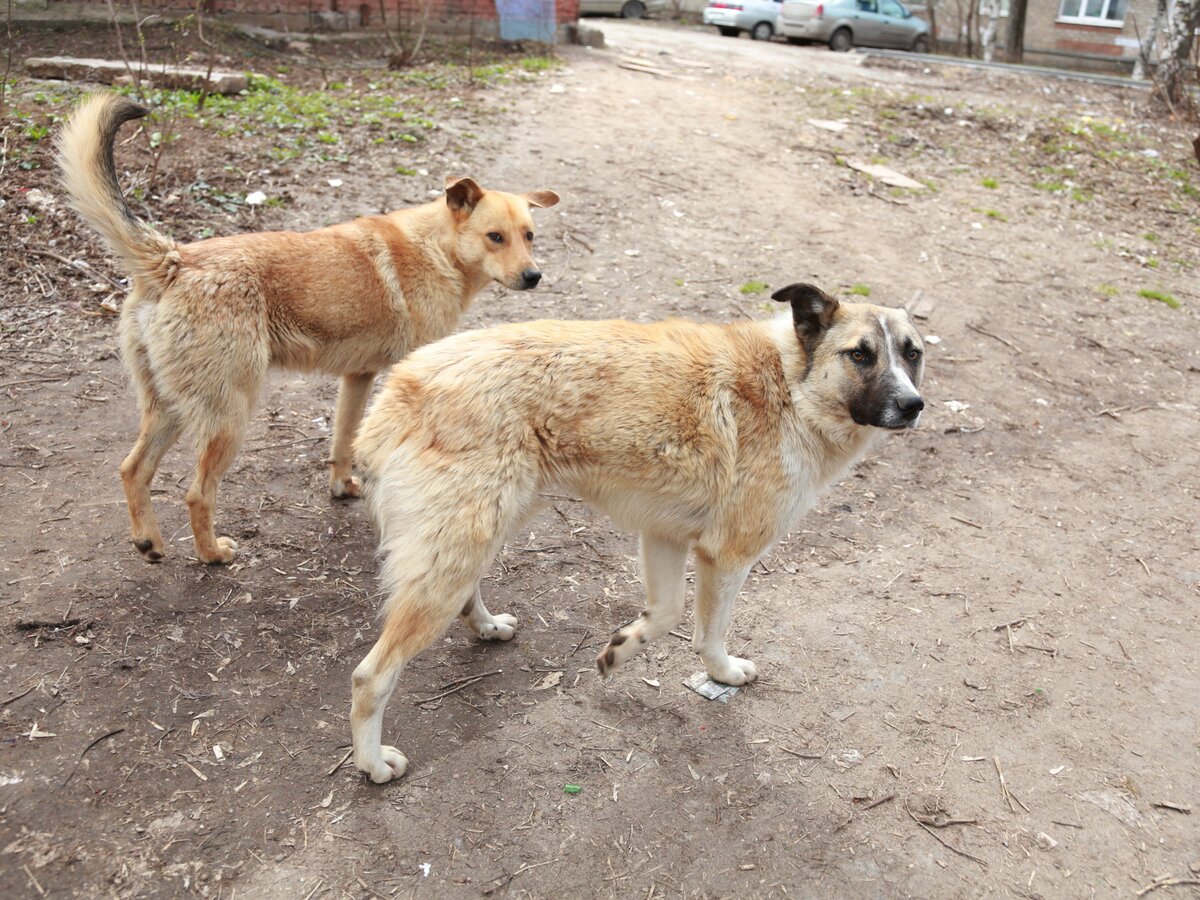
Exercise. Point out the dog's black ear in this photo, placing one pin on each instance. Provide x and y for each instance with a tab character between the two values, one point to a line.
812	308
462	194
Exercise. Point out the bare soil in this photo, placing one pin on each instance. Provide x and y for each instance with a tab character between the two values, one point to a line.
1005	599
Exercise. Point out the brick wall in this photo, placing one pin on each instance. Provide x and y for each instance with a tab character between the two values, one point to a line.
1049	41
353	14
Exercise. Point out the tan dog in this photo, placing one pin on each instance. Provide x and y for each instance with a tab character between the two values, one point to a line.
704	437
204	321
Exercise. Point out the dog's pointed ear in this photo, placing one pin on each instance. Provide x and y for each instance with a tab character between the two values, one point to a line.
541	199
812	309
462	194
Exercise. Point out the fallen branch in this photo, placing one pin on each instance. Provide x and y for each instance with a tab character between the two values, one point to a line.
460	684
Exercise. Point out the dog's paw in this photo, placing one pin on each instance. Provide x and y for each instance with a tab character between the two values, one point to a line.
735	671
617	652
226	551
383	766
502	627
151	550
344	488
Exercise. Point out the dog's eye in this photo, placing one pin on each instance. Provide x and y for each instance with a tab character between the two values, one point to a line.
858	355
913	354
495	237
529	236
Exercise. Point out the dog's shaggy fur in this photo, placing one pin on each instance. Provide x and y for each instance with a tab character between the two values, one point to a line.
204	321
702	437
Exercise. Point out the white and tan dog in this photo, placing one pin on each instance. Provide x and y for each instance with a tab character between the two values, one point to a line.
205	321
703	437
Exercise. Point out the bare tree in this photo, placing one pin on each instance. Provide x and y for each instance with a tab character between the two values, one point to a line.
1015	44
1146	44
1177	68
987	34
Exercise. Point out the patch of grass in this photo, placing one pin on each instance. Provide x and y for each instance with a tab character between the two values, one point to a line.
1051	186
754	287
1151	237
860	290
990	183
539	63
995	214
1152	262
404	170
1160	296
37	132
1079	195
1106	290
679	282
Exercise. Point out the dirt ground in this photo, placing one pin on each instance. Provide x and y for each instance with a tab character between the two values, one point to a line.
1011	589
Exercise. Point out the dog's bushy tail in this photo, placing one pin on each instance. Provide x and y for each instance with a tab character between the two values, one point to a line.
89	175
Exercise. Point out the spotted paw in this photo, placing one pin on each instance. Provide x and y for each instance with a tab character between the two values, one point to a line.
151	550
735	671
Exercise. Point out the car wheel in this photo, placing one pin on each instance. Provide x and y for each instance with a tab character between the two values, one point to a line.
762	32
634	9
727	31
921	44
840	40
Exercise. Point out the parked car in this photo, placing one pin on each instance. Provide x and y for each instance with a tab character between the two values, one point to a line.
732	17
626	9
844	23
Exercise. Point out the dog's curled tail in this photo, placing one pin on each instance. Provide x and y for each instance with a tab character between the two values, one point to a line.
89	175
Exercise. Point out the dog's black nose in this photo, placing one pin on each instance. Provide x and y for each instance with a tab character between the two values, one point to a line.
530	277
910	407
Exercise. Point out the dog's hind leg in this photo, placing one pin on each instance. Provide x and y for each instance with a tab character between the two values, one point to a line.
352	400
500	627
411	626
216	452
160	429
663	561
716	589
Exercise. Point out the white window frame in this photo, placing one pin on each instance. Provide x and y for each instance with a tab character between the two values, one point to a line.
1098	21
1003	6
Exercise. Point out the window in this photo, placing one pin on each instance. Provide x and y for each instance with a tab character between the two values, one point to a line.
891	8
1001	7
1093	12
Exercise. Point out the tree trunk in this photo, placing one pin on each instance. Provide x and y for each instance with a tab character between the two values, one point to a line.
987	34
1176	69
1146	48
1016	30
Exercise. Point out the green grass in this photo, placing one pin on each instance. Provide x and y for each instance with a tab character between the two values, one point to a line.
860	290
1160	296
1106	290
754	287
990	183
404	170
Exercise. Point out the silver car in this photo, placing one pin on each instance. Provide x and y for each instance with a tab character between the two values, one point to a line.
732	17
843	23
626	9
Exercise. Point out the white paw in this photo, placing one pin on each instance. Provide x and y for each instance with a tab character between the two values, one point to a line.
345	487
226	551
501	628
388	764
735	671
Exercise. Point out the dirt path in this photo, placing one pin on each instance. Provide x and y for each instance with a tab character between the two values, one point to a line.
1012	588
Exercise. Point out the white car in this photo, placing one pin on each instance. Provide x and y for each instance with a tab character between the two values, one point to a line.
626	9
732	17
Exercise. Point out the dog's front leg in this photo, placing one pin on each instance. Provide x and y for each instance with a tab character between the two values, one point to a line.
352	400
663	562
716	589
